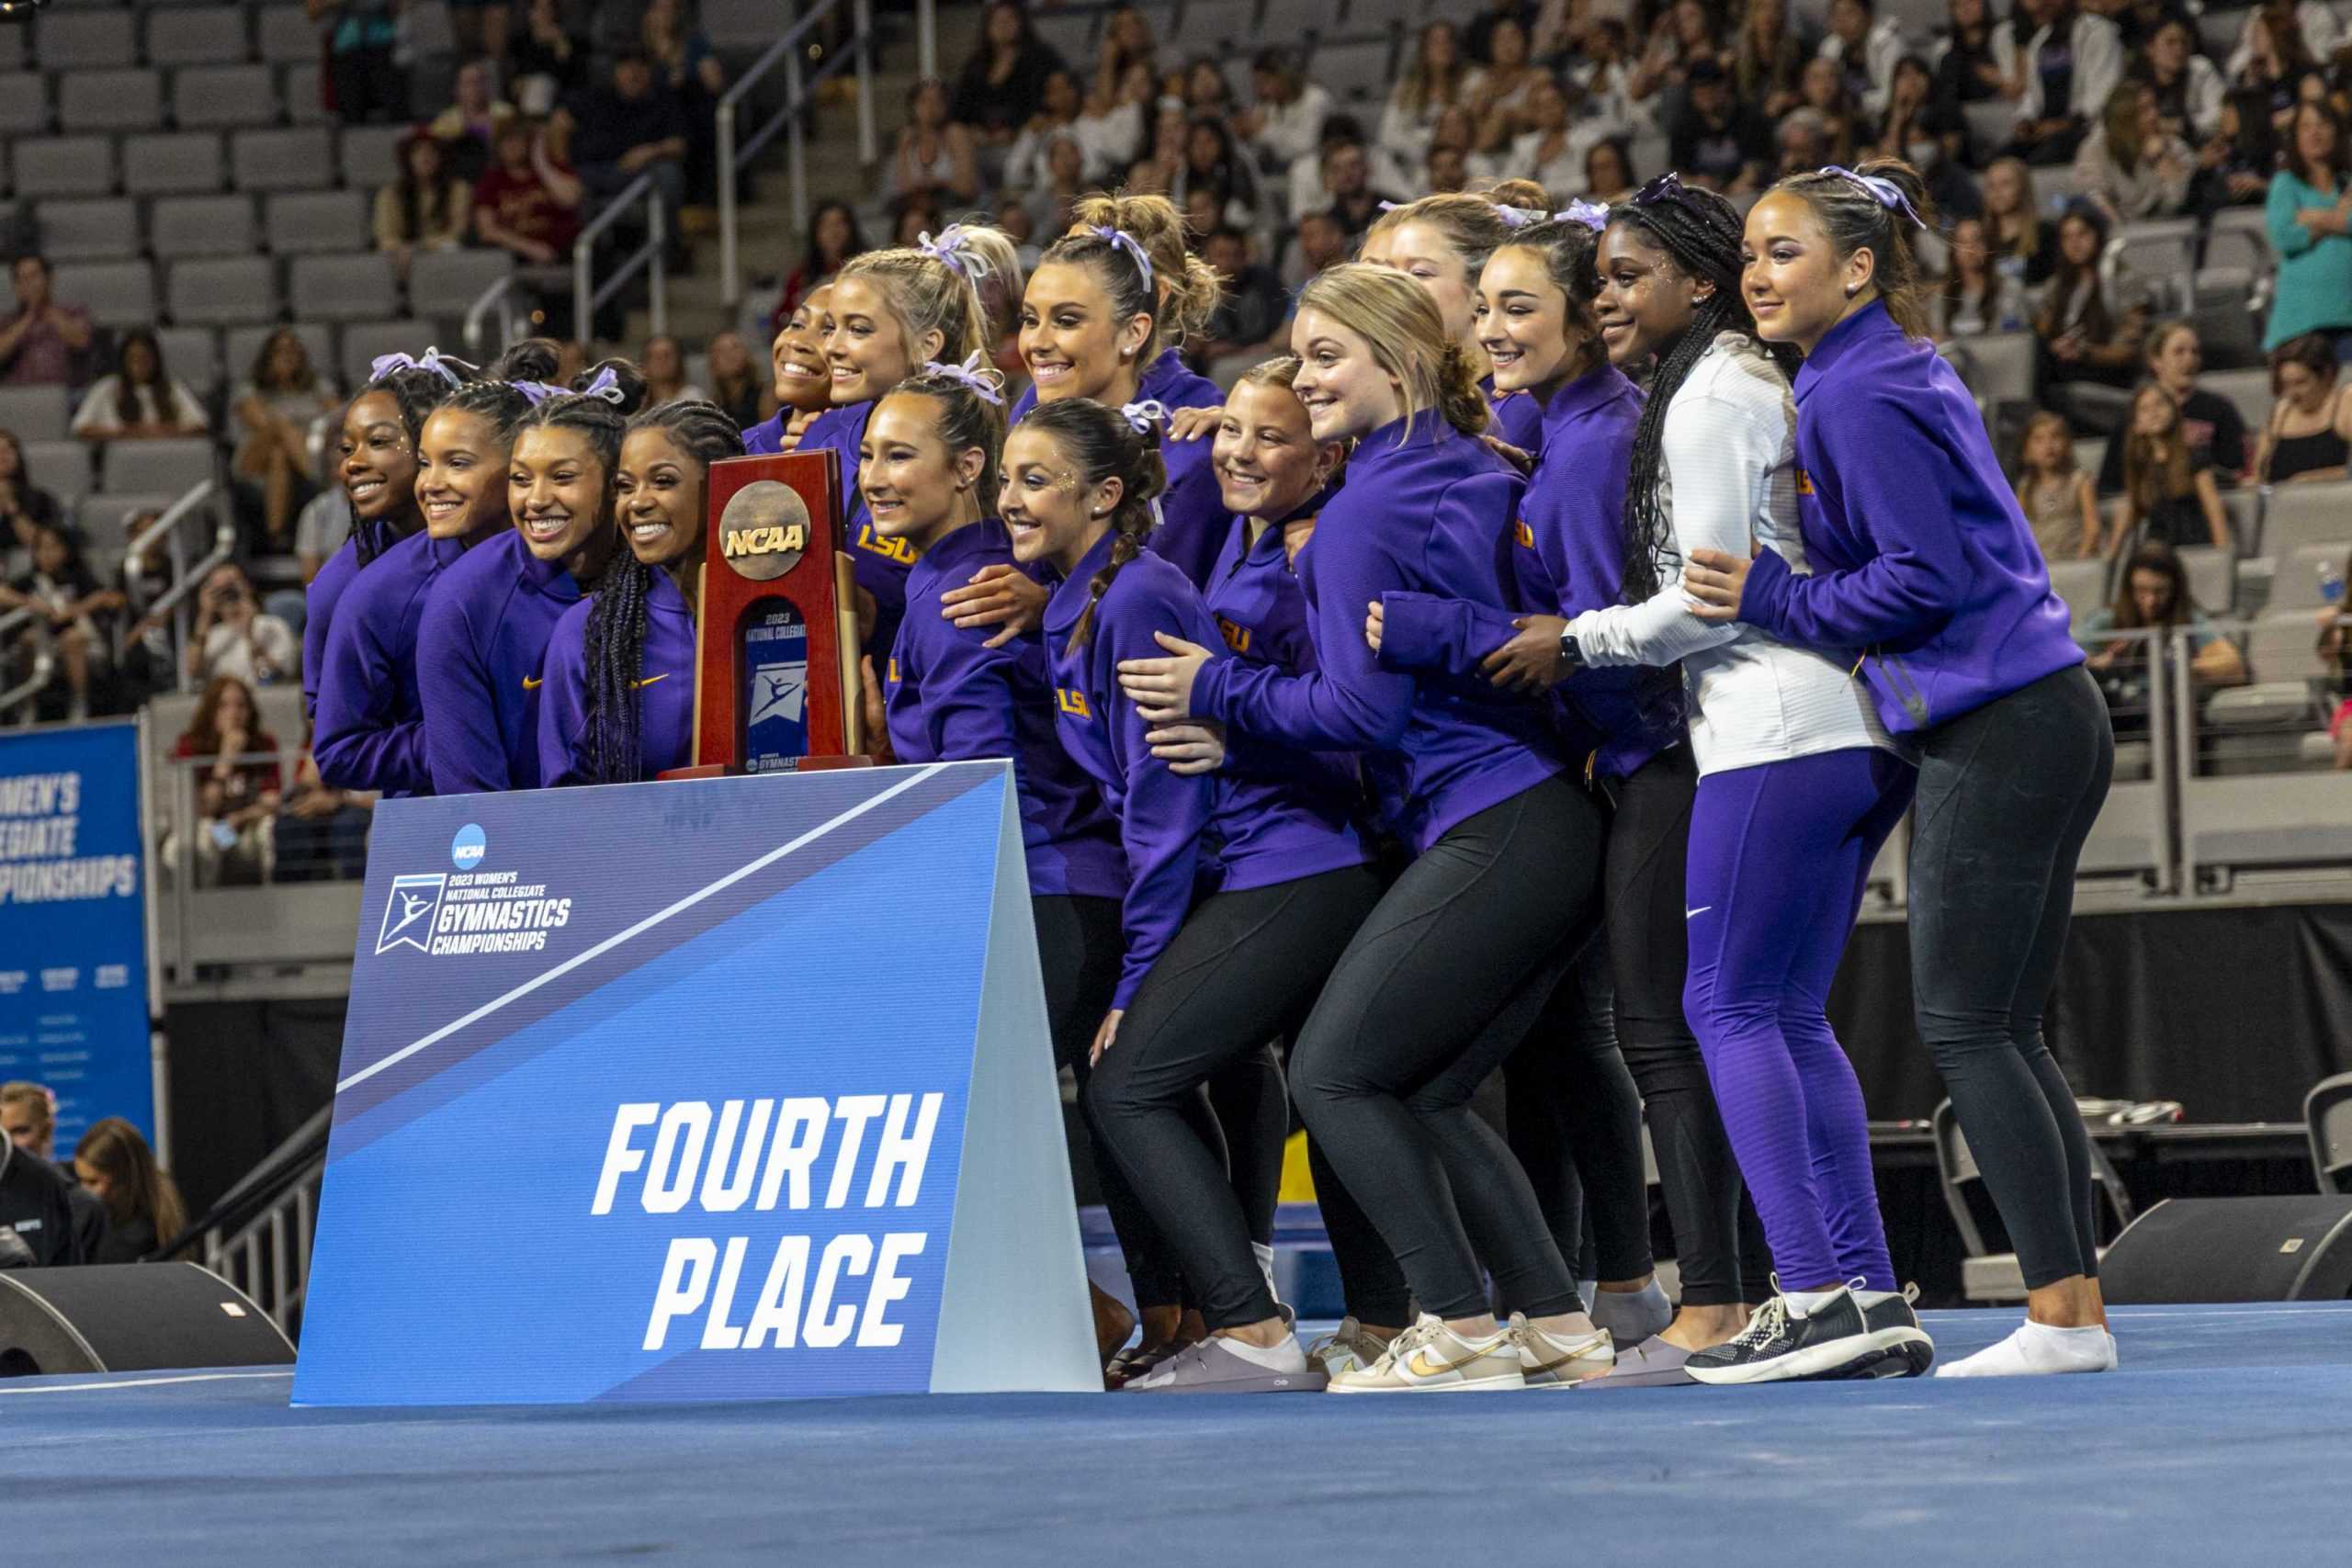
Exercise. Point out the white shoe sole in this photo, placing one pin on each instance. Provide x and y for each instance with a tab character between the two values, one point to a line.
1459	1385
1889	1352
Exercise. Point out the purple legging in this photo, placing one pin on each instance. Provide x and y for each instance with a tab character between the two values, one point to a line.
1779	854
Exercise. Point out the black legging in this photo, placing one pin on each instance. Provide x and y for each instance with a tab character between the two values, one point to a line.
2007	796
1245	967
1718	1242
1398	1043
1250	1101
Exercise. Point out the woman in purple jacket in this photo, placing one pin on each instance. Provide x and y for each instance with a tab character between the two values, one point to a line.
1243	887
1419	1010
1921	558
616	702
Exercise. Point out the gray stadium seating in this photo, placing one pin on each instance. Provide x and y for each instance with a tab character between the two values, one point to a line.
212	35
223	96
163	466
1999	366
117	293
299	158
2277	821
2082	585
2240	237
63	165
1363	15
2281	646
1354	70
105	519
444	284
12	49
34	413
60	467
2294	584
1071	34
2212	577
104	230
240	344
2245	506
183	226
24	103
172	164
747	25
284	36
298	91
368	155
223	292
363	341
194	354
315	221
1217	27
109	100
2249	390
2294	515
87	38
358	287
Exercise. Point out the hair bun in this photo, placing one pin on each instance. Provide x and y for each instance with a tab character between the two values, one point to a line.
533	359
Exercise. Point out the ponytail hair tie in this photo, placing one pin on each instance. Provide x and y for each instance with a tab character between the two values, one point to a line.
537	392
385	364
1390	206
606	386
1593	215
1885	192
1142	416
953	250
1520	217
1128	242
982	381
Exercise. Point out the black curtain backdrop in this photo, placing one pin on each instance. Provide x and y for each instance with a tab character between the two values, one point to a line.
243	1077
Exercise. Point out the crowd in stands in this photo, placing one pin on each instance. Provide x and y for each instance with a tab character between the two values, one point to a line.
110	1202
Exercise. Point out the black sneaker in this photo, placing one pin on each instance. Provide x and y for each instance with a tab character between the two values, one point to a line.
1839	1339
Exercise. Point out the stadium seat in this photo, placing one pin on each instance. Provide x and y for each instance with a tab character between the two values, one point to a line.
748	26
301	158
34	413
12	49
2082	585
426	25
24	103
1356	69
241	345
2244	505
357	288
1364	16
2270	821
2161	252
2294	583
2281	646
1990	124
109	100
159	466
2052	186
298	91
2294	515
2249	390
223	292
1223	28
1285	21
2212	577
444	285
183	226
88	38
284	35
117	293
60	467
2217	30
106	518
223	96
1070	33
364	340
104	230
368	155
212	35
63	165
194	354
172	164
1999	366
2240	236
314	221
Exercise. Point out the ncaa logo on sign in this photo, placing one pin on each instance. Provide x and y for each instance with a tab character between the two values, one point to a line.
468	848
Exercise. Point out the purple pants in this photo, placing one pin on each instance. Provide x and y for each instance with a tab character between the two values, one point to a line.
1779	854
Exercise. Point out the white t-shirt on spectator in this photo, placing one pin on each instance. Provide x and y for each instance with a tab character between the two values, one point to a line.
264	641
1293	131
99	409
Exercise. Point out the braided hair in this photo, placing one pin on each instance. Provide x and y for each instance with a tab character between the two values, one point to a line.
613	645
1700	231
495	396
1101	445
415	391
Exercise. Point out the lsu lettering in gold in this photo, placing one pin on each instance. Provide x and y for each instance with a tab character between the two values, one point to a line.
897	549
893	676
1804	483
1236	638
1523	534
1072	702
765	541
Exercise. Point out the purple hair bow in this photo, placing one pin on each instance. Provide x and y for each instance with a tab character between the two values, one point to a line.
984	383
385	364
606	386
1885	192
951	252
1142	416
1128	242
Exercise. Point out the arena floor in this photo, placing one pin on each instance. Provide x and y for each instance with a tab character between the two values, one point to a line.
2223	1441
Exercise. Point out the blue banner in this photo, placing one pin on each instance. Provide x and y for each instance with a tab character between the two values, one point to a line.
719	1088
73	924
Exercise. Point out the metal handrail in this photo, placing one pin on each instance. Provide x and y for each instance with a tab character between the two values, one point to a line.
44	662
733	153
495	295
586	297
167	526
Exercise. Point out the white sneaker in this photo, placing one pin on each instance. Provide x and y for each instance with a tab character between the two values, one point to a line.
1430	1358
1346	1348
1550	1360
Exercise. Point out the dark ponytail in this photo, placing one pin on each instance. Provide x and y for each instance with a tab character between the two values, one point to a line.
1569	249
1101	445
613	646
1855	218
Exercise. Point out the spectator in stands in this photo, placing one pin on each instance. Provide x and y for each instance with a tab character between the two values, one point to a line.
683	58
527	202
28	1120
79	614
1497	91
2273	60
2188	87
833	238
428	207
238	792
1051	200
22	502
1767	60
1432	82
2155	597
1057	107
2295	35
2055	494
1968	63
37	1225
282	395
1251	311
1609	171
1113	129
935	155
1820	87
1549	151
633	127
737	384
1347	180
1002	84
1718	142
916	216
663	365
2237	165
2310	222
364	69
44	343
468	128
325	519
148	664
2129	164
1865	46
549	66
2085	334
1446	169
2335	650
2169	496
1284	120
322	831
2065	70
1216	163
1322	242
139	399
1913	126
2309	434
143	1207
2023	246
233	637
1206	92
1976	295
1479	37
2214	428
1684	36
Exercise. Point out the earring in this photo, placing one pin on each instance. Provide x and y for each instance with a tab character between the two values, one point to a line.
1853	289
1127	353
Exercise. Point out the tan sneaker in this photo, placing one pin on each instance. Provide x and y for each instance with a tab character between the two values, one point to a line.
1347	1348
1430	1358
1549	1361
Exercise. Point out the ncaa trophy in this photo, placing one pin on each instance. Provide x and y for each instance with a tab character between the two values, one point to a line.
776	669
